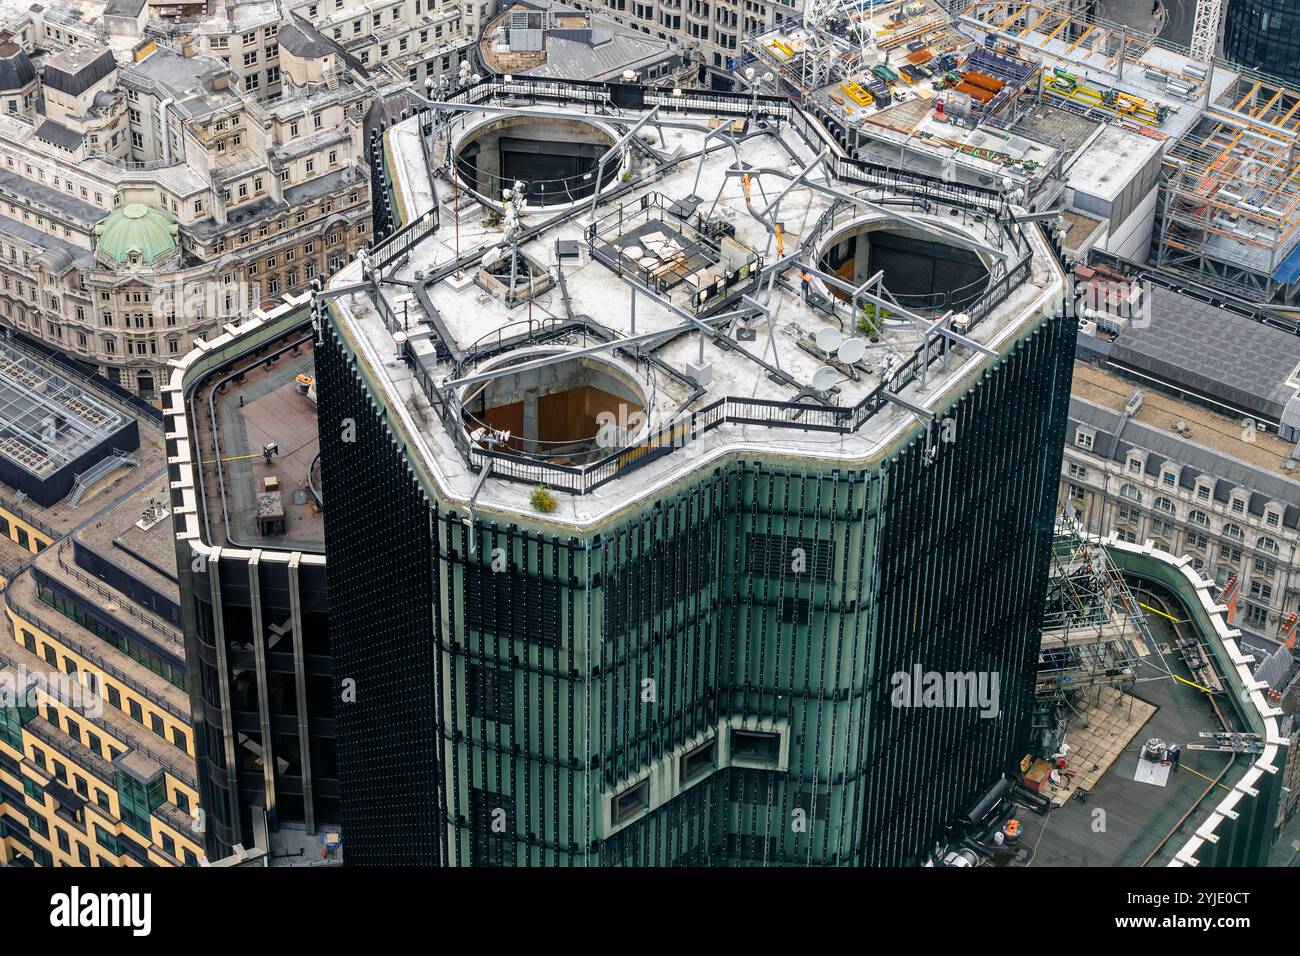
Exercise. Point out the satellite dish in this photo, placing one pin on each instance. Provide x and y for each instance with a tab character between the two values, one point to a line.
852	351
825	377
829	339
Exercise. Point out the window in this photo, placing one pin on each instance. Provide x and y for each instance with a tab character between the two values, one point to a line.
106	840
1169	478
1256	616
157	726
756	746
114	697
491	692
1078	471
1199	517
137	714
1202	492
1273	518
631	802
1238	506
1260	590
1265	567
1164	504
1233	531
1267	544
1131	492
699	762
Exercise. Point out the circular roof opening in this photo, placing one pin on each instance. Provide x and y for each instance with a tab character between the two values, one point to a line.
572	411
557	159
922	271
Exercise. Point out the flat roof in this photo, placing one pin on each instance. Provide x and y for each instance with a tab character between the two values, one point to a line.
1161	411
641	226
264	404
1142	819
137	535
1212	351
1110	161
48	422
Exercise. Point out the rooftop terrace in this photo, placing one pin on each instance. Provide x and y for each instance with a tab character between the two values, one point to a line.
259	399
674	302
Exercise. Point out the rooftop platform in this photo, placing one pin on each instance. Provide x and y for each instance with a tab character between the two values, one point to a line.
238	410
684	286
1142	819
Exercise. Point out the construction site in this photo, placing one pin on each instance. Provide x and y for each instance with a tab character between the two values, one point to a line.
1134	728
1152	152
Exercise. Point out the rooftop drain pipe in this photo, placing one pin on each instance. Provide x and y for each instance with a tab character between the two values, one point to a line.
165	133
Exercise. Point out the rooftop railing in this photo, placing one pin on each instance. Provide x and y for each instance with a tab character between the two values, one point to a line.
983	208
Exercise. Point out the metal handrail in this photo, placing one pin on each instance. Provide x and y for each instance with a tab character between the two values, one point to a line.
913	188
96	659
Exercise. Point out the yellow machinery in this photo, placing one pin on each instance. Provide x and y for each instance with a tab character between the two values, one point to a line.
856	93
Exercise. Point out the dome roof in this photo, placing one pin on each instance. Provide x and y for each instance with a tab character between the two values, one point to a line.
136	229
16	70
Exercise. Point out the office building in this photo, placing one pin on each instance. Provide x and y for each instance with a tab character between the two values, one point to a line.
250	551
1184	426
641	529
146	200
96	750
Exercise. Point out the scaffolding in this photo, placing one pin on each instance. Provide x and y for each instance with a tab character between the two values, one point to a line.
1229	194
1231	198
1094	632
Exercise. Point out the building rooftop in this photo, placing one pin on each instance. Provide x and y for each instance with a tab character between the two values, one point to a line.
137	536
550	40
1145	823
238	410
47	422
16	69
77	69
1113	157
690	248
1209	445
195	82
1233	359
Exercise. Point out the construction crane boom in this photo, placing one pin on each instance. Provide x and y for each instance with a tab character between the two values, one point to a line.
1205	29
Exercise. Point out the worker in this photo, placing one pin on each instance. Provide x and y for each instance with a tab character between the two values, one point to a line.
1173	754
805	283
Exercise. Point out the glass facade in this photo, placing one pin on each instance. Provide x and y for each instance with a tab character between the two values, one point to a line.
138	801
707	680
1264	35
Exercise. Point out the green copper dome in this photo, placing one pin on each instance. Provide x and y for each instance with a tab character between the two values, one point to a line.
136	229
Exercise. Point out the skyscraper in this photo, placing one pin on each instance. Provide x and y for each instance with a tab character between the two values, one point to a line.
641	511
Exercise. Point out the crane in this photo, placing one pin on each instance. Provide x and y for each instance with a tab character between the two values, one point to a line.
1205	29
